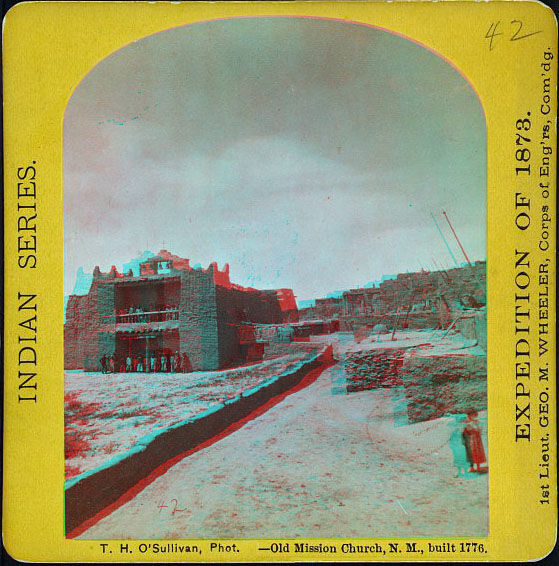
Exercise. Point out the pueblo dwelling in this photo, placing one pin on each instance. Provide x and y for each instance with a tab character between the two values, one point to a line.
170	307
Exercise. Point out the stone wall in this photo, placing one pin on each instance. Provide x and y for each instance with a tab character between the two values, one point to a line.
83	324
440	385
413	321
427	285
198	327
434	384
462	287
372	369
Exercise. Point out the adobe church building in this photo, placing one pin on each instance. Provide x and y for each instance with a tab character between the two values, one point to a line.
170	307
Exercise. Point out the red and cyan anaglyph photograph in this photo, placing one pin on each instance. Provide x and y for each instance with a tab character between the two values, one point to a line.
275	288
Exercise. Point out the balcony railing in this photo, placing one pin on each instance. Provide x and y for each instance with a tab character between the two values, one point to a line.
141	317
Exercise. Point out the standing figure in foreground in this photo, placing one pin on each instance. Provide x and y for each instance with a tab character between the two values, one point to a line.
471	437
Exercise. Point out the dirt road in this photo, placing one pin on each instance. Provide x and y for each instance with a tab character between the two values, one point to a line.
317	465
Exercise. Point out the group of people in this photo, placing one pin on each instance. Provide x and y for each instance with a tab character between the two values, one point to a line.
151	314
160	361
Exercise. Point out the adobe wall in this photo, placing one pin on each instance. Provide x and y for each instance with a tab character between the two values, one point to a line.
76	333
236	306
83	343
372	369
453	283
444	384
288	305
198	328
420	288
435	384
105	307
260	307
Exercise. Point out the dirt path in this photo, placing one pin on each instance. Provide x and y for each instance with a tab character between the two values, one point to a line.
316	465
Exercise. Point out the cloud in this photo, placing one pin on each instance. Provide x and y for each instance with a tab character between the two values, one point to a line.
305	153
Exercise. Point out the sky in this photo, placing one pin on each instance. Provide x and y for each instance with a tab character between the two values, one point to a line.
305	153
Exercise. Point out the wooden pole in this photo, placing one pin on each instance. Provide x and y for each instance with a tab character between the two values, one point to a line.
464	252
444	240
455	235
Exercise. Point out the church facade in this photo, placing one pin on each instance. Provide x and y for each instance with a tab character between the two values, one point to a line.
170	308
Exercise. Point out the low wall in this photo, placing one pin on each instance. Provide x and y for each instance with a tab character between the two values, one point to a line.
474	327
313	328
441	385
91	492
411	321
481	329
372	369
434	384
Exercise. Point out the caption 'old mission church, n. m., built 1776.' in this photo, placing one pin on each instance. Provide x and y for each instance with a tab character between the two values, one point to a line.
170	308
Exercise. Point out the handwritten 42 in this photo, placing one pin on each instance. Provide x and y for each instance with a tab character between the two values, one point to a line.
175	506
515	32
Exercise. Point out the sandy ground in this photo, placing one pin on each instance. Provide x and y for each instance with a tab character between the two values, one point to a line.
317	464
107	414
